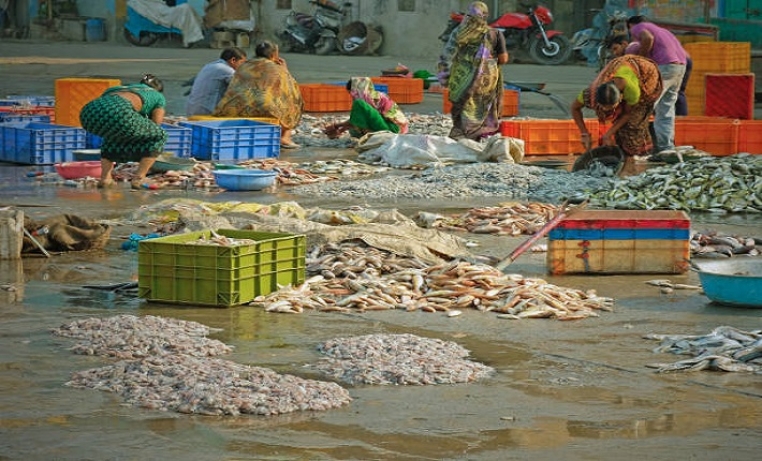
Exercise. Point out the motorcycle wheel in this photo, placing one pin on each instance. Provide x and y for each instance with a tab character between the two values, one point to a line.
325	45
559	52
145	39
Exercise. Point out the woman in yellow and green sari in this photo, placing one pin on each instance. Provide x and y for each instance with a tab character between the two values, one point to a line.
263	87
469	69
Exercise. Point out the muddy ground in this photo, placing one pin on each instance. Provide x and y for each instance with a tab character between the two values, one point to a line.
563	390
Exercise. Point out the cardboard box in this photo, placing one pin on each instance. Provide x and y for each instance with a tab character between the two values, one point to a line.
218	11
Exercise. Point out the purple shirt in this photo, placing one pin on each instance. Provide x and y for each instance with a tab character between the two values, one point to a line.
666	47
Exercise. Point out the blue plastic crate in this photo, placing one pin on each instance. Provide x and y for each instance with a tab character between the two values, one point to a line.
6	117
178	140
38	143
233	140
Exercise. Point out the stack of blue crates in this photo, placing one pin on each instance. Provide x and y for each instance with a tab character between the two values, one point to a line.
233	140
36	143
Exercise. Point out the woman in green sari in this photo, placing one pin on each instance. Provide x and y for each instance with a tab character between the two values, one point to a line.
469	69
371	111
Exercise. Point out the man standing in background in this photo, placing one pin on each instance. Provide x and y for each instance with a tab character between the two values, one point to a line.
665	49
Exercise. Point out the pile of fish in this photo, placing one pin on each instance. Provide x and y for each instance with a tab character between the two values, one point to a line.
714	184
724	349
398	359
351	277
715	245
509	219
167	364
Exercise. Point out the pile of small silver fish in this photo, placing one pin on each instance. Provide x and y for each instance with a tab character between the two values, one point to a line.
506	219
714	184
210	387
166	364
351	277
724	349
398	359
718	246
133	337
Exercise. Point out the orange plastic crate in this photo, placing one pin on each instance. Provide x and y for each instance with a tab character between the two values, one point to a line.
322	97
548	137
750	136
403	90
510	103
720	57
73	93
715	135
729	95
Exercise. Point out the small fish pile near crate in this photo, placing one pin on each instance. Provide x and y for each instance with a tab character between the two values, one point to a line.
714	58
191	269
233	139
402	90
36	143
620	242
510	102
548	136
178	140
71	95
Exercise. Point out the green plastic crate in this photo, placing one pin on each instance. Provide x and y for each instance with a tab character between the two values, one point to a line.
174	270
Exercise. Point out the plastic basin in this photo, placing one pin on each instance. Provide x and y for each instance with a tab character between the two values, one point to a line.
734	282
77	170
236	180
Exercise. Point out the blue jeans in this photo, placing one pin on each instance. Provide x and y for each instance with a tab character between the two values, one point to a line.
664	110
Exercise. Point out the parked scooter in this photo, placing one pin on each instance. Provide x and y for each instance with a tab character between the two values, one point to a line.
140	31
592	44
316	33
526	32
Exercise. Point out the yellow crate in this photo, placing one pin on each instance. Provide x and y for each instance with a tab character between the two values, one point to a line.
73	93
720	57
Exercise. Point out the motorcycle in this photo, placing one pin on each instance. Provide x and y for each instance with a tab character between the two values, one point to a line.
526	32
592	44
316	33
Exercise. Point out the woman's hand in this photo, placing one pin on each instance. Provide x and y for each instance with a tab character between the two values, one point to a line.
587	141
335	130
608	139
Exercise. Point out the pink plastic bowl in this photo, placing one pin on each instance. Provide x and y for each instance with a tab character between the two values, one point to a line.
76	170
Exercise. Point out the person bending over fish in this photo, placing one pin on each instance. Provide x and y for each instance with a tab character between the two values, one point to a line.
128	118
624	92
371	111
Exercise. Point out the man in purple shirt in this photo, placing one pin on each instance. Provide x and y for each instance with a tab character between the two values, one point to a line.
665	49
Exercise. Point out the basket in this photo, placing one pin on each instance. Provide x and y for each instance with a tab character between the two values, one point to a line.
607	156
77	170
357	39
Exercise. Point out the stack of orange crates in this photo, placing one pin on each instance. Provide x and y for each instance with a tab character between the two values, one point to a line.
713	58
510	103
403	90
715	135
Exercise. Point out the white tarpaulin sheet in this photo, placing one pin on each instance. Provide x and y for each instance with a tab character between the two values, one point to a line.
182	17
421	150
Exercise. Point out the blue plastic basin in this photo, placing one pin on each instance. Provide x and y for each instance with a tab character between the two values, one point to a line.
735	282
249	179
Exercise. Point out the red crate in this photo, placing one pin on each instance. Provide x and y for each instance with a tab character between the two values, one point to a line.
547	137
715	135
510	103
729	95
750	136
403	90
321	97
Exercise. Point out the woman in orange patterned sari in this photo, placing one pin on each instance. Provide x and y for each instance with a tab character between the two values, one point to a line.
263	87
624	92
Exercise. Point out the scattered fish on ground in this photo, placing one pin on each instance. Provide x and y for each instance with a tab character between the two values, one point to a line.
352	277
723	349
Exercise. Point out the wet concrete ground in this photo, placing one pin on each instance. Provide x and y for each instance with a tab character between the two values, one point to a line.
563	390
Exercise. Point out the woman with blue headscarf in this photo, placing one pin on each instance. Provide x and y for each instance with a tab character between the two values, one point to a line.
469	69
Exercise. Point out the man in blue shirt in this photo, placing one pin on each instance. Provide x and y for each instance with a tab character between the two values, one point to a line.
212	81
